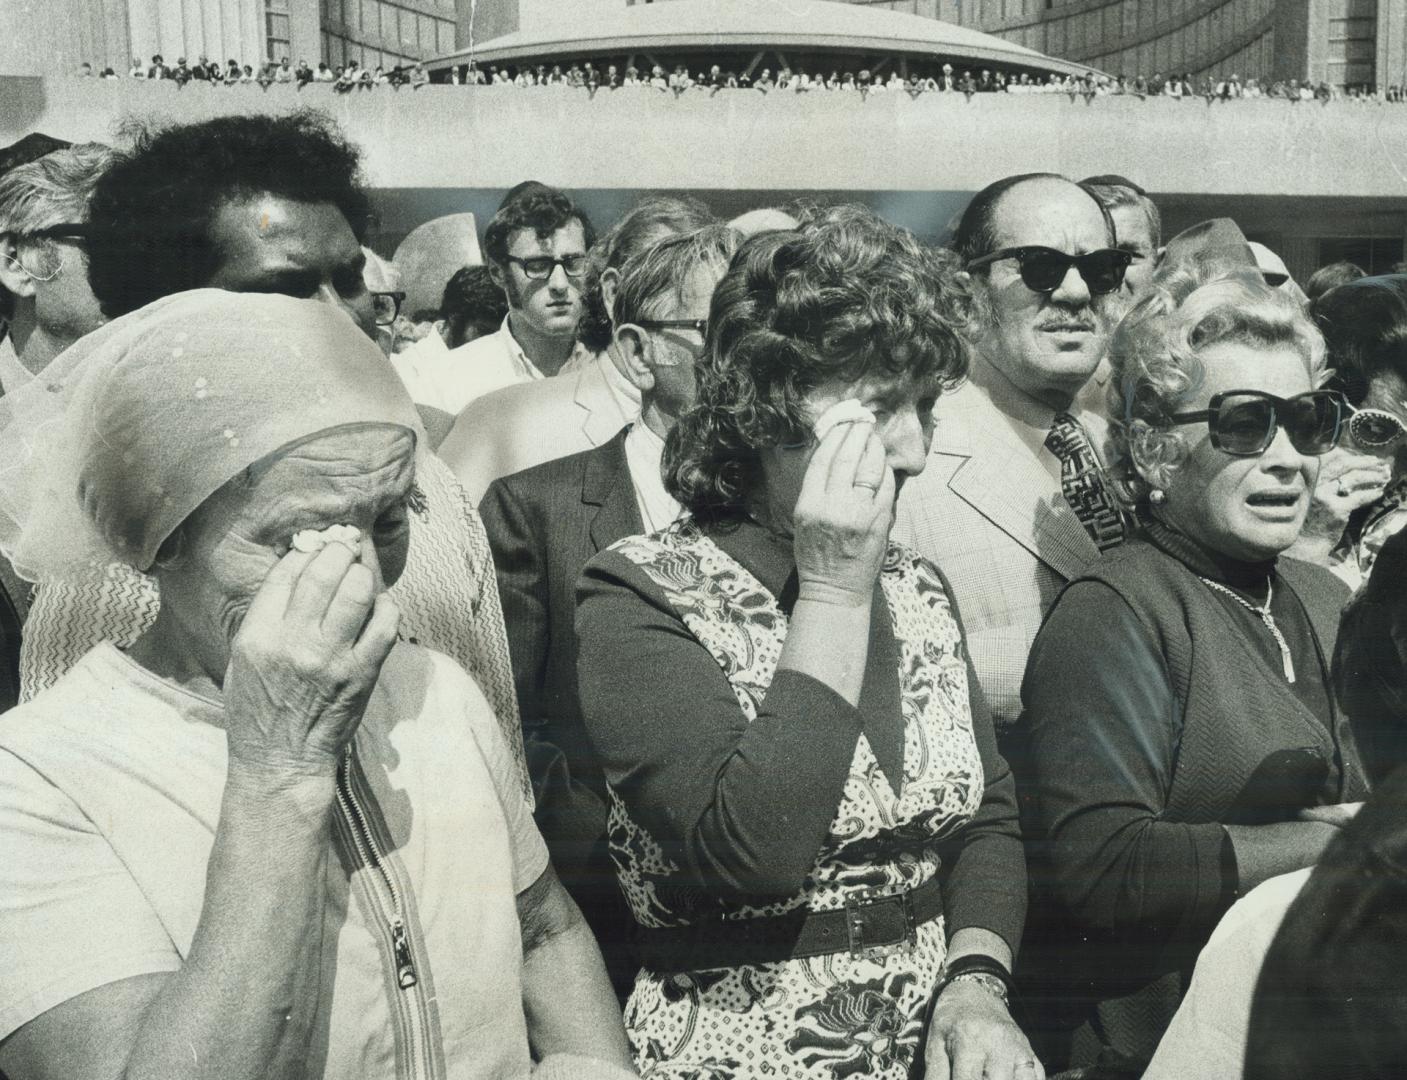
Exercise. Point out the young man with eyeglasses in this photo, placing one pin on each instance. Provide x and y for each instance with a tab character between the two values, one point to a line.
536	247
1012	503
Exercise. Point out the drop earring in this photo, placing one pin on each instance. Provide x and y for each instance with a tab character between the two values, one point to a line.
1157	497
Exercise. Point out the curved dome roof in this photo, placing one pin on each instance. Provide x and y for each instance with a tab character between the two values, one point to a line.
808	26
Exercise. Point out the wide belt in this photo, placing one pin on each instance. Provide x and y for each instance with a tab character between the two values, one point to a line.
871	921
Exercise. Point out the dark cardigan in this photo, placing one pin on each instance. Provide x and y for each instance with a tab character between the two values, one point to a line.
1155	718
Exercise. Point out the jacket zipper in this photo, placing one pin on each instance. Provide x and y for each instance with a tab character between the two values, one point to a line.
369	852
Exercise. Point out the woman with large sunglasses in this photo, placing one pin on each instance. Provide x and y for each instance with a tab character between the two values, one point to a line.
1185	744
1361	499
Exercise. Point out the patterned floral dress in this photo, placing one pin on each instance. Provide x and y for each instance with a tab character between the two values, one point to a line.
833	1016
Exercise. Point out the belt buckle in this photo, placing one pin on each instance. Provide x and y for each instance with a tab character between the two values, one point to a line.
862	900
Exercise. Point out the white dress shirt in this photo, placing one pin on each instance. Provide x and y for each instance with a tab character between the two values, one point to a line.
448	379
644	453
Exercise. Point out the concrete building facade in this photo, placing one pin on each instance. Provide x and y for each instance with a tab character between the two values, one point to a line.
54	37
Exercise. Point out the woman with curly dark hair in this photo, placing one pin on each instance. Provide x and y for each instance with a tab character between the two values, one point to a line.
809	816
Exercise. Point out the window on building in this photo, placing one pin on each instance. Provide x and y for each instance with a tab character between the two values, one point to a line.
277	34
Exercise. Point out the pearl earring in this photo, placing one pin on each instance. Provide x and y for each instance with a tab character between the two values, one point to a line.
1157	496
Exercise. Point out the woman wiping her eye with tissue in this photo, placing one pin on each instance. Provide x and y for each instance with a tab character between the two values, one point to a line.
268	840
794	741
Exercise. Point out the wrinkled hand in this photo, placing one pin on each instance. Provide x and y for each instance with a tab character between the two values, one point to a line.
1347	480
304	663
1337	814
973	1037
841	523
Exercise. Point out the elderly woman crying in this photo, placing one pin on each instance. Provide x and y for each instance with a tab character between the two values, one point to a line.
1185	742
269	839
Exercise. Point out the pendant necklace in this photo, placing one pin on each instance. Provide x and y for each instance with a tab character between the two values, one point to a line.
1265	617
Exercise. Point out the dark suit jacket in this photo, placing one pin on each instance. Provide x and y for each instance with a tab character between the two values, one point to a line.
543	525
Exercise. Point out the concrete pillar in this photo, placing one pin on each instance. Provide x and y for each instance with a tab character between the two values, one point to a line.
192	29
1392	43
304	31
143	30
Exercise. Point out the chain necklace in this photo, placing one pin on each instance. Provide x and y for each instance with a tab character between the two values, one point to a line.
1265	617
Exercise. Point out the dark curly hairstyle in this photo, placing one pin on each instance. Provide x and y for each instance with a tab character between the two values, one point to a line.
1364	324
845	296
153	208
471	300
538	207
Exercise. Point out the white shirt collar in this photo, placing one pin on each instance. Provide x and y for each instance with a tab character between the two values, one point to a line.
644	453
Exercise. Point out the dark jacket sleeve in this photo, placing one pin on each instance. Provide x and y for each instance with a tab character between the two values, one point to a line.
742	807
986	863
1104	726
1370	662
569	810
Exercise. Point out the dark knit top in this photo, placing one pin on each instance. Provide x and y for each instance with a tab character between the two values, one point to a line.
1158	711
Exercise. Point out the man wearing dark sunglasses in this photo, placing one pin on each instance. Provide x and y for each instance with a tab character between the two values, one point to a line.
1013	448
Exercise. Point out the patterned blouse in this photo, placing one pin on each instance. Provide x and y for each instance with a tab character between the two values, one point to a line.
739	791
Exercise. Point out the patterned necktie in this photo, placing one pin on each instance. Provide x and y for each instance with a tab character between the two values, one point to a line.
1082	482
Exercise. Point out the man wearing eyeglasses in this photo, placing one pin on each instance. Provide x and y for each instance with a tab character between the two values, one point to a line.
1012	504
546	522
45	300
536	247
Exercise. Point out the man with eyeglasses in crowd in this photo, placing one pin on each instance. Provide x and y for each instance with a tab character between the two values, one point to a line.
1012	504
546	522
536	247
45	301
45	305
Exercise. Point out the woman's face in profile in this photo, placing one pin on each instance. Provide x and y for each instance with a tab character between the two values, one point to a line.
1248	508
903	412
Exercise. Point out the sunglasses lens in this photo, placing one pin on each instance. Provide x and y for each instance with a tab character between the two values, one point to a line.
1313	423
1244	425
1372	427
1043	271
1103	271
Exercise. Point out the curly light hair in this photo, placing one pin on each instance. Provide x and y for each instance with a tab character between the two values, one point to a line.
1155	355
844	296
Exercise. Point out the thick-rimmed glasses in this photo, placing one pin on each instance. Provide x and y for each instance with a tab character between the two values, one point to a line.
386	306
1376	428
1044	268
541	267
1243	422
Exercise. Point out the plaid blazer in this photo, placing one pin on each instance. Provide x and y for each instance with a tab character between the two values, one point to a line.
989	514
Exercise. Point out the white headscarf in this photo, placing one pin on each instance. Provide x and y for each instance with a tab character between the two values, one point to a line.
137	424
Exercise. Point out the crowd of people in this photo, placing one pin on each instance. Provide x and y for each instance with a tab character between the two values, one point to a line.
349	76
678	79
698	648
